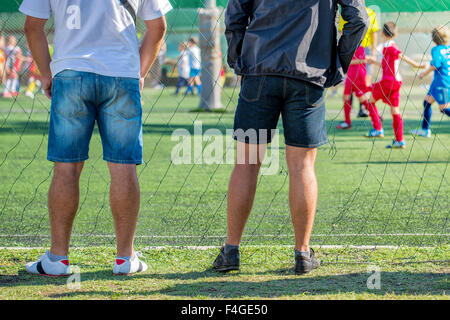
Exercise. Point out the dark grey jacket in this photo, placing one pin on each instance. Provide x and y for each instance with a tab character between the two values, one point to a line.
294	38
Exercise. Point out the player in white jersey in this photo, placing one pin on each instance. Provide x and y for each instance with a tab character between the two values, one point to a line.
195	64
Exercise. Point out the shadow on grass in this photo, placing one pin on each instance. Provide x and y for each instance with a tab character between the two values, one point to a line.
209	284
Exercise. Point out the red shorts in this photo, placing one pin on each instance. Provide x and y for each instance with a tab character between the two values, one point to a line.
388	91
357	86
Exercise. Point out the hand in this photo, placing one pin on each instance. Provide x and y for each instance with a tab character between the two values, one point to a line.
141	84
47	86
422	75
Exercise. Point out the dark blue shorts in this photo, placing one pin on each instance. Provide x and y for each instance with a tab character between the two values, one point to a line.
79	100
263	98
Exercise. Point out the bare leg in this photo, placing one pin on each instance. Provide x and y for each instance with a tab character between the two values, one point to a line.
63	198
302	193
125	203
242	188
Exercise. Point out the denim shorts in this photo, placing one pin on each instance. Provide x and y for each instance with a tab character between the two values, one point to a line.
79	99
301	104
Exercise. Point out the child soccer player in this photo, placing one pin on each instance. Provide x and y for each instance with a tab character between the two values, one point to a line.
13	55
388	89
440	87
195	66
355	83
2	58
33	75
183	67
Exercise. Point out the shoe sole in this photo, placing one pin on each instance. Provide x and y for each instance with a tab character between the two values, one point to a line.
51	275
127	274
299	273
226	269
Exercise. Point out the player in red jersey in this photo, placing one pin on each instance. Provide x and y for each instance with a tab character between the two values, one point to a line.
355	83
13	55
388	89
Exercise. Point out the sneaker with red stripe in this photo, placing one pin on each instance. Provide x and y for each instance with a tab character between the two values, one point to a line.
124	267
45	267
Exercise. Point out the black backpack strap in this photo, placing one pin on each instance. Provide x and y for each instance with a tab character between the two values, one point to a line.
130	9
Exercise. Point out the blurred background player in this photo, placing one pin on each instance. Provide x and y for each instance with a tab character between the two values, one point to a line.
355	83
2	59
33	75
440	87
13	57
369	43
388	89
183	67
195	65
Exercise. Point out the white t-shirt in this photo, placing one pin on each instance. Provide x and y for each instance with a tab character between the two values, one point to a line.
183	65
95	36
195	58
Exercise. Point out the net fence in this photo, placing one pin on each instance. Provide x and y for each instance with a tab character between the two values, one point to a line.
369	196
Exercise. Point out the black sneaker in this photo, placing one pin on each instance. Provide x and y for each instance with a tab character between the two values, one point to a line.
362	114
306	265
227	262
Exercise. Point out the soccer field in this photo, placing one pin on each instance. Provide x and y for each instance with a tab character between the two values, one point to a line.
368	196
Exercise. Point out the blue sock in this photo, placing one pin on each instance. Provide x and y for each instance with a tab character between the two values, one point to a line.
189	90
54	257
446	111
199	88
427	111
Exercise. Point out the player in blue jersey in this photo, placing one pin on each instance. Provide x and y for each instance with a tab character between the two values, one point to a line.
440	87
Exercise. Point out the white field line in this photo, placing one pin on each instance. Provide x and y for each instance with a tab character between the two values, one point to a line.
248	236
361	247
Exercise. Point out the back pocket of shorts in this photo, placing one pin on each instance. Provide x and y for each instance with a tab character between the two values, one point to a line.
66	96
128	104
251	88
315	95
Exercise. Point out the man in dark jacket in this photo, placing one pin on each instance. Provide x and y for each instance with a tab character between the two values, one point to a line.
287	53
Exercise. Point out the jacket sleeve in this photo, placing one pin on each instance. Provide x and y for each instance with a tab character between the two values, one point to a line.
237	18
354	12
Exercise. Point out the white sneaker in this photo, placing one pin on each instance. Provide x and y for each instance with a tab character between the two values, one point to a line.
126	267
45	267
421	132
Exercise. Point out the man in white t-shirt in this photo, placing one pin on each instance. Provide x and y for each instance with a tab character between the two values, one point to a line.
96	75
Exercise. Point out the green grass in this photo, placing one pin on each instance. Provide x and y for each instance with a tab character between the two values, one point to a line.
266	273
368	196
